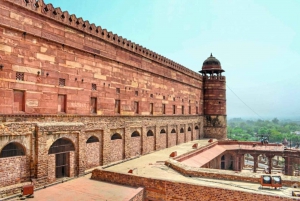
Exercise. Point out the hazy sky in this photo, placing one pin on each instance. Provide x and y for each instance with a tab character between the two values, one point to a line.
257	43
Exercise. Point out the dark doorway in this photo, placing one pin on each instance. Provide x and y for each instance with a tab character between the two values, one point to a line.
62	165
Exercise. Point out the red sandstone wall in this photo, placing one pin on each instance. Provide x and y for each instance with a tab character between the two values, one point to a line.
92	155
116	150
63	51
14	170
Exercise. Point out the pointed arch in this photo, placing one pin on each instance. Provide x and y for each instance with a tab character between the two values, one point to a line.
150	133
181	130
173	131
163	131
135	134
92	139
196	127
116	136
12	149
189	129
61	145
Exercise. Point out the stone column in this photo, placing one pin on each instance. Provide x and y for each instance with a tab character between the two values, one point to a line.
81	152
255	160
288	169
270	163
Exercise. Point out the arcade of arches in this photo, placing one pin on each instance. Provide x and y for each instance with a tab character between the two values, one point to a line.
69	149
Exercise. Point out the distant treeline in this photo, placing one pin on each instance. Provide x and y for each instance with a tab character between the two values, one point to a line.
275	130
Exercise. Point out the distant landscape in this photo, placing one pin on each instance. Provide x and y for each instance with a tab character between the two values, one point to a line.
274	129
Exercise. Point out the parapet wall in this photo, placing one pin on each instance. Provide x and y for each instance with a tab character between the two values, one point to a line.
47	10
165	190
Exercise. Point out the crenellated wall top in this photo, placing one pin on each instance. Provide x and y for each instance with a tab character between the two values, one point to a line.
78	23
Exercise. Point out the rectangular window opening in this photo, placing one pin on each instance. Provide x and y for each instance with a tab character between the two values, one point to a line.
93	105
174	109
117	90
94	87
20	76
136	107
19	101
61	103
62	82
163	108
151	108
190	110
117	107
182	110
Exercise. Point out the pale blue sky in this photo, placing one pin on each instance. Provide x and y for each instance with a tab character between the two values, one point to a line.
257	42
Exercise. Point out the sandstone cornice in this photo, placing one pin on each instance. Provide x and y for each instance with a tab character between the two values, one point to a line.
71	20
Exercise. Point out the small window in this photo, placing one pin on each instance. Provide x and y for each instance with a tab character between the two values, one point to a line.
151	95
92	139
20	76
162	131
151	108
117	90
19	101
135	134
117	107
116	136
190	110
181	130
174	109
136	107
163	108
136	93
182	100
174	99
164	97
150	133
173	131
93	105
197	110
94	87
196	128
12	149
182	110
189	129
61	103
62	82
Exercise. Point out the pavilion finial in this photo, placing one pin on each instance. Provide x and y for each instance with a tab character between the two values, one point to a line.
211	55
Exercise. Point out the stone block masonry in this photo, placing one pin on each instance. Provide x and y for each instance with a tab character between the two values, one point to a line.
65	80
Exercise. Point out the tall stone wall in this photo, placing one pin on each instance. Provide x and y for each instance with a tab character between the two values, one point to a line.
57	57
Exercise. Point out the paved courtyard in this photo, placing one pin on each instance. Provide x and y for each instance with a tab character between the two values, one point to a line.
84	188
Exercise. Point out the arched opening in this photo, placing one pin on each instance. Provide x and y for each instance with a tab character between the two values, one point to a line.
189	129
62	148
150	133
12	149
92	139
135	134
116	136
173	131
196	127
162	131
181	130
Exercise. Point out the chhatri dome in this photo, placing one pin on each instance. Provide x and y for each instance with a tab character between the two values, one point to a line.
211	65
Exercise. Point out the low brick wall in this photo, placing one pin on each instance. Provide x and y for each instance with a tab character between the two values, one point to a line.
139	196
163	190
224	174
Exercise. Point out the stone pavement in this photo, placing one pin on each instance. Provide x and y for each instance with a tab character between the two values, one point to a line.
84	188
